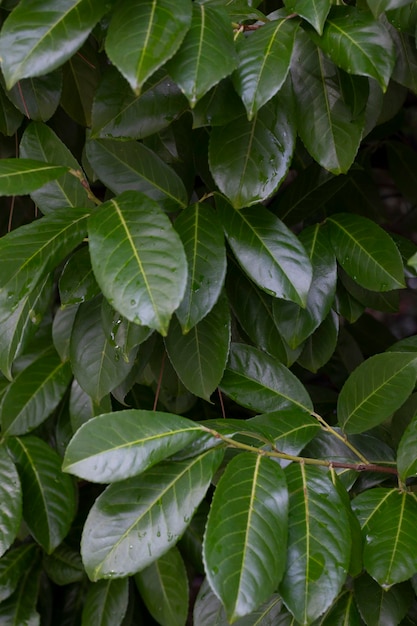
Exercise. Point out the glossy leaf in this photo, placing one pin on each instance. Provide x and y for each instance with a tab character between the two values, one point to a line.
65	24
387	520
245	539
379	6
13	566
405	69
106	603
249	159
142	36
313	11
318	543
37	98
321	345
135	522
81	74
207	54
267	251
11	498
163	586
376	389
260	382
110	448
48	494
378	605
10	117
144	276
128	166
77	282
64	565
366	252
21	176
406	454
20	607
200	356
82	407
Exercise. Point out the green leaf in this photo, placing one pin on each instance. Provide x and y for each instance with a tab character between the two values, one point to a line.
207	53
48	494
144	34
41	143
13	565
313	11
10	117
219	106
405	70
359	44
118	112
135	522
294	322
37	98
131	166
366	252
406	454
95	359
378	605
82	407
62	329
202	237
200	357
379	6
113	447
21	176
81	76
290	429
53	31
318	543
163	586
330	132
376	388
249	159
64	565
34	394
106	603
260	382
77	282
387	518
11	498
267	251
245	539
20	607
321	345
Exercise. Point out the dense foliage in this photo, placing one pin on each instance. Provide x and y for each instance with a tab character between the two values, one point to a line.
207	312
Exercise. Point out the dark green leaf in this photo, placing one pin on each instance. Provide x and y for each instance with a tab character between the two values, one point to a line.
77	282
405	70
81	75
163	586
267	251
13	565
48	494
37	98
407	451
379	6
62	329
20	607
320	346
64	565
314	11
219	106
260	382
21	176
381	606
10	117
112	447
144	34
245	539
138	259
106	603
136	521
402	162
290	429
11	498
53	31
342	613
82	407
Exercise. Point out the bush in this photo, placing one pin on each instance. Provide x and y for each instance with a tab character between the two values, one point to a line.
207	272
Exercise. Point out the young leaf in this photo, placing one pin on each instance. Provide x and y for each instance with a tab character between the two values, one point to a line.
246	533
21	176
163	586
313	11
136	521
53	32
267	251
48	494
375	389
366	252
138	259
144	34
11	498
318	543
207	53
13	565
113	447
261	383
106	603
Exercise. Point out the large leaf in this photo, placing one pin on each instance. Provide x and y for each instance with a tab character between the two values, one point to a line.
318	543
366	252
245	539
20	607
144	34
114	447
207	53
249	159
106	603
138	259
200	356
267	251
37	98
13	566
264	62
41	143
21	176
330	132
131	166
377	388
163	586
39	35
34	394
202	237
48	494
135	522
387	520
260	382
378	605
11	498
359	44
314	11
